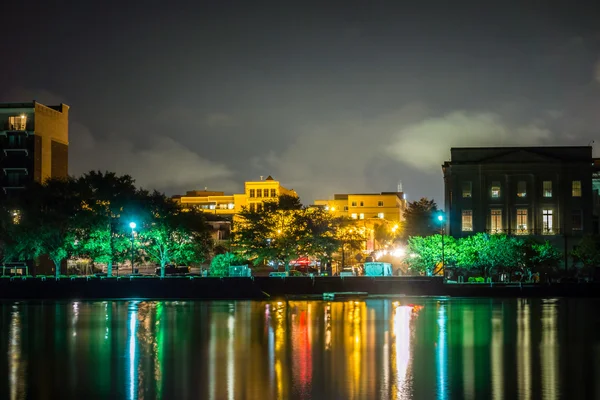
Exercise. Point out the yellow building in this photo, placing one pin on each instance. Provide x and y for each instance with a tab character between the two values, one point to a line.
218	203
387	206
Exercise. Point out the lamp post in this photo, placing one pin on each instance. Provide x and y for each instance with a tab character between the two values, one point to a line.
441	219
132	225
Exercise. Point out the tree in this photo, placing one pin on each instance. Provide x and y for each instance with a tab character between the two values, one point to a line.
48	225
587	251
108	200
316	233
349	237
468	252
219	266
383	235
419	218
10	245
168	234
269	234
425	253
545	255
501	251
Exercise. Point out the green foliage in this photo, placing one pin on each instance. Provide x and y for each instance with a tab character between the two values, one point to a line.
587	251
169	235
419	218
220	264
545	255
427	253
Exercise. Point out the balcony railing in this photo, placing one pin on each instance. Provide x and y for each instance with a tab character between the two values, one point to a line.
525	232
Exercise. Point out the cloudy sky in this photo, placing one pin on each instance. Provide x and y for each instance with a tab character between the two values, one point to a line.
325	96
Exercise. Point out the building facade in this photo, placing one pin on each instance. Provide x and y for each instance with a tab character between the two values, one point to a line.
218	203
34	144
542	191
387	206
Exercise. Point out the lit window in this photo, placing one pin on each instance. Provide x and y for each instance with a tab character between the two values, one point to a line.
273	193
522	189
522	221
266	193
496	221
576	188
258	192
495	189
380	215
354	215
380	204
17	123
546	221
212	206
231	206
353	204
251	192
577	220
467	189
547	189
362	216
467	220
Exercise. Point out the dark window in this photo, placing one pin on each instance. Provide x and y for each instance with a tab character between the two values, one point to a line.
577	220
266	193
251	192
273	193
522	189
547	189
258	192
467	189
495	190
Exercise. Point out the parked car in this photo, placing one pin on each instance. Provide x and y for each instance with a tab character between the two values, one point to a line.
174	270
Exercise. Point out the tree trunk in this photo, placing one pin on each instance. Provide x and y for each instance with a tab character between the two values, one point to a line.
57	268
109	268
162	268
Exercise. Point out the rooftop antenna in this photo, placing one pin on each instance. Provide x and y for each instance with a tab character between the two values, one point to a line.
261	177
399	186
205	188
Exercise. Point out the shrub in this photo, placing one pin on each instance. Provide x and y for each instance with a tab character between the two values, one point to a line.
479	279
471	279
219	266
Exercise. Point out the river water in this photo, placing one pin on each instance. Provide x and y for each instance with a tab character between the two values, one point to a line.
373	349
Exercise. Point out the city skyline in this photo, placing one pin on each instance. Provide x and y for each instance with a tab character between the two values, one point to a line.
328	100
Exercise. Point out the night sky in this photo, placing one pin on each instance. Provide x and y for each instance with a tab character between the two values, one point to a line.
352	96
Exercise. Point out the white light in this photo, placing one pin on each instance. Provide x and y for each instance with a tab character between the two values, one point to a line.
413	255
132	225
440	218
326	208
399	252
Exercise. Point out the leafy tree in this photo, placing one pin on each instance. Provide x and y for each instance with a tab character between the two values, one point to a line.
425	253
219	266
468	252
349	237
48	225
419	218
545	255
168	234
587	251
383	235
108	199
316	233
10	245
501	251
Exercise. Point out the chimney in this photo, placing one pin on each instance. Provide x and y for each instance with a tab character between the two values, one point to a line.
261	177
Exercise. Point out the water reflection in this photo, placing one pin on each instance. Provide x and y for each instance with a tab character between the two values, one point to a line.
301	349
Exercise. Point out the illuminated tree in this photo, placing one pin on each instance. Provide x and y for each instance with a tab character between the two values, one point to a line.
425	253
104	236
170	235
419	218
219	266
316	231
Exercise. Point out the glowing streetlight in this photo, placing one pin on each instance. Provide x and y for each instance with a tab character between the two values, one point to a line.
441	219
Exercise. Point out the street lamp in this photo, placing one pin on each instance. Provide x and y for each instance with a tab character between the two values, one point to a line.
441	219
132	225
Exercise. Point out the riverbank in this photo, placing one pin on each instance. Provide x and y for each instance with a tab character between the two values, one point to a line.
260	288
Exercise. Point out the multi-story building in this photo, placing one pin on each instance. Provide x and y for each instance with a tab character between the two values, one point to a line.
34	144
543	191
388	206
218	203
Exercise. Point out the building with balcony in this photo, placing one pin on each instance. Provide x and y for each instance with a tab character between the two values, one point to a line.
388	206
256	193
545	191
34	144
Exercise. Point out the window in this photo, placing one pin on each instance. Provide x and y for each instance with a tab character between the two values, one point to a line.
547	188
380	215
467	189
546	221
231	206
354	216
362	216
467	221
252	207
13	178
521	189
266	193
380	204
576	188
521	221
258	192
495	189
362	203
17	123
577	220
353	204
273	193
212	206
345	208
496	221
259	207
251	192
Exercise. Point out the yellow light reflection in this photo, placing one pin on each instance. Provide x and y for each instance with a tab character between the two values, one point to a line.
549	352
497	367
16	365
523	350
401	355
